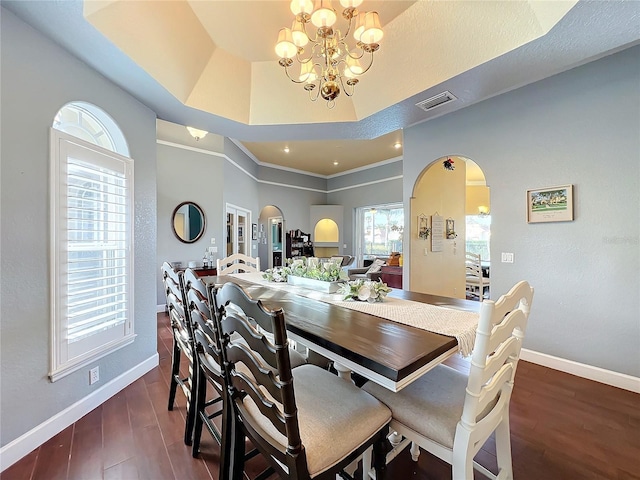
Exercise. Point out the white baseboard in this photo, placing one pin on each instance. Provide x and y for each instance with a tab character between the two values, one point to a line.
21	446
161	308
620	380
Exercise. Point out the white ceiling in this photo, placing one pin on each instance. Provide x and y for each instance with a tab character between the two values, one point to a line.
210	64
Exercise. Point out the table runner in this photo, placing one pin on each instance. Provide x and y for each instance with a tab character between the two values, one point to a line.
433	318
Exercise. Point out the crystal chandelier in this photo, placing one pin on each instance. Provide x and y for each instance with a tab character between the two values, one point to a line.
331	65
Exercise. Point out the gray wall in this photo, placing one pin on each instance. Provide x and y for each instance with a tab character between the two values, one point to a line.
38	78
187	170
581	127
185	175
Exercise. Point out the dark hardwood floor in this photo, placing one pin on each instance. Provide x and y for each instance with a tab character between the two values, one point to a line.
562	427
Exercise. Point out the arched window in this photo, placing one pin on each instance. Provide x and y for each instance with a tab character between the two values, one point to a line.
92	225
91	124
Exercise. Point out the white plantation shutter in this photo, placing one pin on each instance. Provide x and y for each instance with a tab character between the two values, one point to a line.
92	216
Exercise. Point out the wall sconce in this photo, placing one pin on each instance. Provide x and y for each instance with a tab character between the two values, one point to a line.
483	210
197	134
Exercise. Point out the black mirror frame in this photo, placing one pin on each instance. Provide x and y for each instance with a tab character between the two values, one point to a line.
204	222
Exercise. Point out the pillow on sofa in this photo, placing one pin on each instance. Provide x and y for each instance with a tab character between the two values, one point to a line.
337	260
376	266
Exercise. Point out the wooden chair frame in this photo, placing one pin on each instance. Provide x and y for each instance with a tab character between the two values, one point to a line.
474	276
238	263
486	404
269	364
182	344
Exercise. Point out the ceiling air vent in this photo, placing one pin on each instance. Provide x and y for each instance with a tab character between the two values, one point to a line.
436	101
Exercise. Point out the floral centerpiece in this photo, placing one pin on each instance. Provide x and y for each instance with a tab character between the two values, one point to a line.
309	273
276	274
312	267
364	290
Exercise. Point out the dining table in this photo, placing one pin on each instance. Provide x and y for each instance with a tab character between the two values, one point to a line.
392	353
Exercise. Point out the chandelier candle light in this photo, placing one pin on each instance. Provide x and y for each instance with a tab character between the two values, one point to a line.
331	65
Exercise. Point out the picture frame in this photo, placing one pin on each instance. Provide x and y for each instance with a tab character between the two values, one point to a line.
254	231
240	234
450	230
550	204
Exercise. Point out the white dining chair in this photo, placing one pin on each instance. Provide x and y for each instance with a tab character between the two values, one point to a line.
476	282
238	263
451	414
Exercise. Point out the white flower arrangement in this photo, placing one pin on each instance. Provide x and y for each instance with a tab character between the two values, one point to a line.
364	290
307	268
276	274
312	267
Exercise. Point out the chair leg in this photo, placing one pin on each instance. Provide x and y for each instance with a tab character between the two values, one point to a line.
198	407
380	454
232	451
191	406
415	451
175	371
462	460
503	448
366	463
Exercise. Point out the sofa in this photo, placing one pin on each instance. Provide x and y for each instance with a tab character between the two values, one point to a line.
370	272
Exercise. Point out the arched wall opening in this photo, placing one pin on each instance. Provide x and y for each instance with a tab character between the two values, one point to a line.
446	193
271	237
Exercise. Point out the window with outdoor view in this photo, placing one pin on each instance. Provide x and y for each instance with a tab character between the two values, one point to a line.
478	233
380	229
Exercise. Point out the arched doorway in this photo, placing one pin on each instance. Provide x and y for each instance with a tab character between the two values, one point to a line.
271	236
449	213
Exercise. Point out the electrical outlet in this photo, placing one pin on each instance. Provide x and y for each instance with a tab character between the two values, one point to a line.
213	241
94	375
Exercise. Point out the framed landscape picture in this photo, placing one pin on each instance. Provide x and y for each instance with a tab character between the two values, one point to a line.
552	204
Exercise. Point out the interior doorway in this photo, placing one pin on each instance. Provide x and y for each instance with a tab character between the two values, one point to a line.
238	234
272	238
450	209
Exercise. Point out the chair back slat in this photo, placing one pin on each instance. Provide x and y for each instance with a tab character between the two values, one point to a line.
255	364
512	325
495	390
238	263
268	406
200	315
193	282
258	341
473	265
507	352
173	279
495	355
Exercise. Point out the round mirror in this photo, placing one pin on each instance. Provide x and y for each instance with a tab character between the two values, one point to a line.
188	222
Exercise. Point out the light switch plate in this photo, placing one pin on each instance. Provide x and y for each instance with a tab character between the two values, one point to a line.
507	257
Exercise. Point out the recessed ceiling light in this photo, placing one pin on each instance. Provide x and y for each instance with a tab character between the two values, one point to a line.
335	162
397	145
286	149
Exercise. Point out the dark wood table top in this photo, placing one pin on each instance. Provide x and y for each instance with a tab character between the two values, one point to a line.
382	350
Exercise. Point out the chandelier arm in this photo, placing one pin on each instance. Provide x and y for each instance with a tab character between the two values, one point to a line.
286	71
345	88
367	69
348	51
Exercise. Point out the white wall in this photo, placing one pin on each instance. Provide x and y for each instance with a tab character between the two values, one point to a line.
38	78
581	127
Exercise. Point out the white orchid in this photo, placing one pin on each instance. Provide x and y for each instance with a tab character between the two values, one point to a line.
364	290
